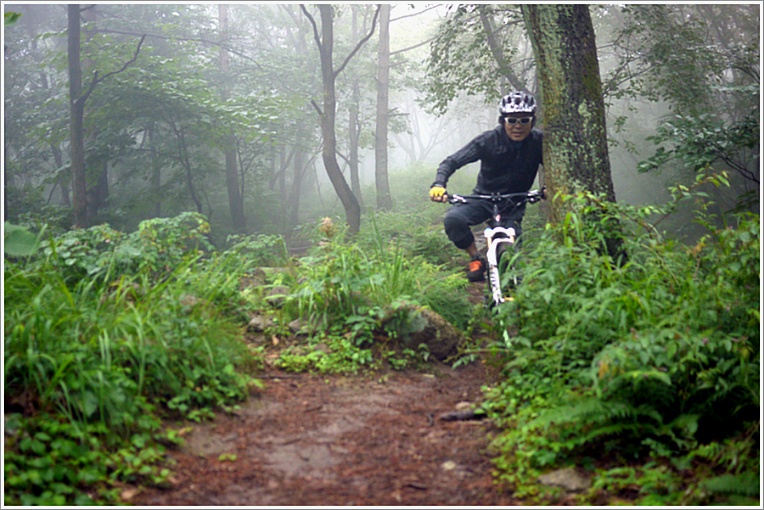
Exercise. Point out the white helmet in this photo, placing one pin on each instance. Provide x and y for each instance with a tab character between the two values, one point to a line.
517	102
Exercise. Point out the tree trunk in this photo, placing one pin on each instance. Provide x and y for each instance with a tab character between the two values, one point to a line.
299	170
186	163
575	137
354	126
96	166
235	199
98	187
156	172
61	179
384	200
486	19
354	131
76	113
328	123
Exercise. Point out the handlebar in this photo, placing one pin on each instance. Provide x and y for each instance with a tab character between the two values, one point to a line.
531	197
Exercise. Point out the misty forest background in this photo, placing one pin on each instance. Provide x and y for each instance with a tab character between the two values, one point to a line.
180	177
216	109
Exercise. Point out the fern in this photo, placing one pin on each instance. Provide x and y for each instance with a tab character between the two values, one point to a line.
592	410
743	484
591	420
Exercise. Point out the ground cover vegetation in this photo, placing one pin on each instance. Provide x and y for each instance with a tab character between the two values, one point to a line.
621	370
654	363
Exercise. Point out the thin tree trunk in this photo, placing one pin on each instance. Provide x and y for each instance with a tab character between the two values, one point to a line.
486	19
156	172
235	199
354	130
184	160
354	127
328	123
299	172
384	200
61	180
325	43
76	114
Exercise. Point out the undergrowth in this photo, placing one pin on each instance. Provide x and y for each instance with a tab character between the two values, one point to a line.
653	363
106	334
352	297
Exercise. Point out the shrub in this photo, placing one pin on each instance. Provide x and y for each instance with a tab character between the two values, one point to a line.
91	364
652	357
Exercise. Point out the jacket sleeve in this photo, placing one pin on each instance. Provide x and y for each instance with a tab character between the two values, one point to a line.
464	156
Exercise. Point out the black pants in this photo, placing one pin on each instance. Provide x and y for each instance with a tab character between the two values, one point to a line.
460	217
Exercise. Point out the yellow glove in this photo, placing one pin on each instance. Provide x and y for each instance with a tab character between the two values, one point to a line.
438	193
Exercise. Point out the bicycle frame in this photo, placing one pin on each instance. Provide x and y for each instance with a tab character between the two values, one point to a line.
496	235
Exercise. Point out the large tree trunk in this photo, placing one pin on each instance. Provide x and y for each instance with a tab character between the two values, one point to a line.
384	201
76	121
235	199
575	137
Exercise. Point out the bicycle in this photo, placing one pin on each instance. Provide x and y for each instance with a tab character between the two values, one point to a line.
498	238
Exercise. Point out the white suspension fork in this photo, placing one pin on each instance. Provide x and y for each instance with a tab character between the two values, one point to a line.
492	257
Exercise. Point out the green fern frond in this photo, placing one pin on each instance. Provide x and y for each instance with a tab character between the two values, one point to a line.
592	410
743	484
612	429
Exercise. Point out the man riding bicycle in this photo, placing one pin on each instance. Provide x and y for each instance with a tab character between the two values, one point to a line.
510	155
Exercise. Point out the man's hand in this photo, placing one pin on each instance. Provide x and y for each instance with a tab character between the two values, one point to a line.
438	193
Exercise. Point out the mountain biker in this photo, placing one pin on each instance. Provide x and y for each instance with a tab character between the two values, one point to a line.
510	155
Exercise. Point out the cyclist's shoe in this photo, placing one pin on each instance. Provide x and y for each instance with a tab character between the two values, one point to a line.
476	269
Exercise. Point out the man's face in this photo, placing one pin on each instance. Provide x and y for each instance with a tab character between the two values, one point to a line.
519	131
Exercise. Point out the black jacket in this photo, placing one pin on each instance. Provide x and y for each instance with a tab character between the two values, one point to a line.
505	166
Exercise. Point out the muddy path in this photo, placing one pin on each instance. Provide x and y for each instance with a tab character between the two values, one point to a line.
368	440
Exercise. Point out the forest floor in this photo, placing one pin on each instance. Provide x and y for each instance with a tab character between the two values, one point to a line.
372	439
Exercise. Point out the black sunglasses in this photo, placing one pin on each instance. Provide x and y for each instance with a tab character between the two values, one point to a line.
521	120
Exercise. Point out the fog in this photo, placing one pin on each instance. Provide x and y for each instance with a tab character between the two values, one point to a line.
157	129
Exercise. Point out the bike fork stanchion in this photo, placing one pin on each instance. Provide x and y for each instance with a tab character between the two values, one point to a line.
493	243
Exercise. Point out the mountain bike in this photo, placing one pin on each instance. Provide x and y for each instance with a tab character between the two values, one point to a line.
499	238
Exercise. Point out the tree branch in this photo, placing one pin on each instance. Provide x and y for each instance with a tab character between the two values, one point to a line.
360	43
96	80
415	13
315	28
318	108
189	39
412	47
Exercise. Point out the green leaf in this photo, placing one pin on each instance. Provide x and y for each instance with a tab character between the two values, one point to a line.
9	18
89	403
19	242
37	447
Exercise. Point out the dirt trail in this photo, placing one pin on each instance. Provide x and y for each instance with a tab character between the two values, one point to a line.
372	439
367	440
